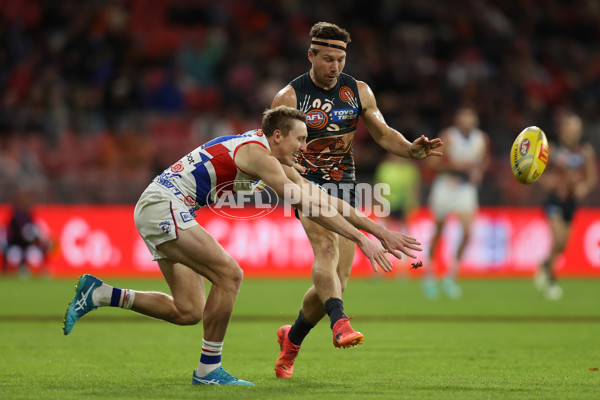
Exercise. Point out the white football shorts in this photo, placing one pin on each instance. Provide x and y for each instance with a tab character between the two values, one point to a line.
452	194
158	216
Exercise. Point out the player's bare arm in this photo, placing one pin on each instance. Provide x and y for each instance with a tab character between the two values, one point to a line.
389	138
285	97
256	161
394	242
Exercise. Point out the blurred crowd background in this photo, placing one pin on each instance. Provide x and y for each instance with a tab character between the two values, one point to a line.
98	96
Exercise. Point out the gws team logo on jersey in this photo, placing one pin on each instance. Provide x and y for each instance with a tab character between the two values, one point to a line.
346	94
242	199
165	226
345	114
316	119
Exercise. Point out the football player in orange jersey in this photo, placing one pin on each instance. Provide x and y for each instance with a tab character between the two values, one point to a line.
333	102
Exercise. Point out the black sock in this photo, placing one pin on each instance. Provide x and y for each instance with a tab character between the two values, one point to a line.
546	266
300	329
549	272
335	310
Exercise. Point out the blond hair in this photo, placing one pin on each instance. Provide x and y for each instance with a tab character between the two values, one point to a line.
282	118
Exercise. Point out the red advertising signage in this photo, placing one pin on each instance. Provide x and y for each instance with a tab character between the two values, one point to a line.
505	242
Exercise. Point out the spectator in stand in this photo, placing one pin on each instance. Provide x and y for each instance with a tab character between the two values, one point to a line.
84	66
26	248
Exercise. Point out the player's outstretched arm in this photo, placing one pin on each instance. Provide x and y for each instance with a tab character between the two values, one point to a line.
394	242
255	160
389	138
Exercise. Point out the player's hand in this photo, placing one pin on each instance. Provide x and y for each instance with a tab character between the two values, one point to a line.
397	243
423	147
376	254
299	168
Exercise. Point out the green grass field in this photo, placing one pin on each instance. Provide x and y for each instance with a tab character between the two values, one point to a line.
502	340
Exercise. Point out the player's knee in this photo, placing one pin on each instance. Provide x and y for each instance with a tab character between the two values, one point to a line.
320	274
237	277
232	276
187	314
191	317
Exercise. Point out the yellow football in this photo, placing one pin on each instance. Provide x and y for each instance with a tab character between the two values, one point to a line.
529	154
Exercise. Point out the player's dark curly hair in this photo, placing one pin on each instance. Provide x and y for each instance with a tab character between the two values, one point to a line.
282	118
327	30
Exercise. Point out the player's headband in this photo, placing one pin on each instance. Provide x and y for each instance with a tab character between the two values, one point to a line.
335	46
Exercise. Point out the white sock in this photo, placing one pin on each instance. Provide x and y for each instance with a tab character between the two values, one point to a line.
210	359
101	295
106	295
127	297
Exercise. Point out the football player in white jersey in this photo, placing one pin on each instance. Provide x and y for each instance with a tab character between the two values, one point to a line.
187	254
454	190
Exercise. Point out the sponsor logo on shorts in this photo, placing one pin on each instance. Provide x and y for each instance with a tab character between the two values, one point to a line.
344	114
165	226
186	216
